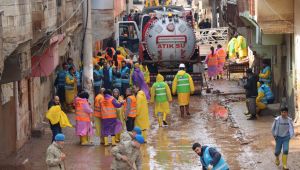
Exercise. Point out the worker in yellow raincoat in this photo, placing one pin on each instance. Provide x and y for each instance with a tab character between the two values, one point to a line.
161	95
264	97
144	69
71	88
241	46
142	113
58	119
265	73
183	85
231	47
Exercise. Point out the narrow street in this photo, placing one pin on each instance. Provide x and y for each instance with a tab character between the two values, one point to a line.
245	144
69	68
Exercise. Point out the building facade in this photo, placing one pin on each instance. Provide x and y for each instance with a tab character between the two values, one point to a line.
37	36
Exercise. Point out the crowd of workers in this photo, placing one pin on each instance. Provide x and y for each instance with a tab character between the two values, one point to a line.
122	93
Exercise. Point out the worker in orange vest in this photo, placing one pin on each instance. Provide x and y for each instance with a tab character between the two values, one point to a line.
221	53
97	113
130	109
212	64
110	52
109	117
120	58
83	112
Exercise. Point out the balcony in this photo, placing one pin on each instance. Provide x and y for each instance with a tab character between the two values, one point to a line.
275	17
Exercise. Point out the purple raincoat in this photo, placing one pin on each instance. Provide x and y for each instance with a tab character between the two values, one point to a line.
138	78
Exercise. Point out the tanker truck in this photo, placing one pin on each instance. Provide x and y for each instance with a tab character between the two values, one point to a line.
163	38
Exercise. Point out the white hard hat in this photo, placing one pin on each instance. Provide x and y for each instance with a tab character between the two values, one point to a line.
181	65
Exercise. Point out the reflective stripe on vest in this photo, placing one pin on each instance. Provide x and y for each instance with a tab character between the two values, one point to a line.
108	109
97	78
117	82
212	60
264	71
97	105
183	84
132	112
125	75
69	86
79	111
221	165
160	92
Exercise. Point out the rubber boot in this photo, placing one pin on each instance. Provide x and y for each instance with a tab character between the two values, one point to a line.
284	162
159	118
113	141
277	161
182	111
106	141
102	140
144	134
84	140
165	119
118	136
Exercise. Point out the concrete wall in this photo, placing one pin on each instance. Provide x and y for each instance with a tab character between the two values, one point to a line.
103	24
275	16
297	54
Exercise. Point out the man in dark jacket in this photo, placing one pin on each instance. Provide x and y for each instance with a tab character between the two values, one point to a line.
251	93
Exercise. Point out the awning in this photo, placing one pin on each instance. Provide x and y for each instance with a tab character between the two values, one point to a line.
44	64
249	21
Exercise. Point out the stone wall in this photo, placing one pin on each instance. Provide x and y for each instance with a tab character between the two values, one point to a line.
16	23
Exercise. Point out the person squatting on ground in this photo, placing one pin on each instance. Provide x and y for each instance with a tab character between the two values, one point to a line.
183	85
251	94
128	156
221	53
283	131
128	136
264	97
142	112
210	158
212	64
109	117
97	113
57	118
55	157
161	95
130	109
83	117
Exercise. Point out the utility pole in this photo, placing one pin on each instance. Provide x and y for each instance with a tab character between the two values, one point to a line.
214	13
88	51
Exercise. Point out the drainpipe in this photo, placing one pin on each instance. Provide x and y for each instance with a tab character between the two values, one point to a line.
16	95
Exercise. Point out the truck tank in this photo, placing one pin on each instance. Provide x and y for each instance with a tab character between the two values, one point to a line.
170	40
